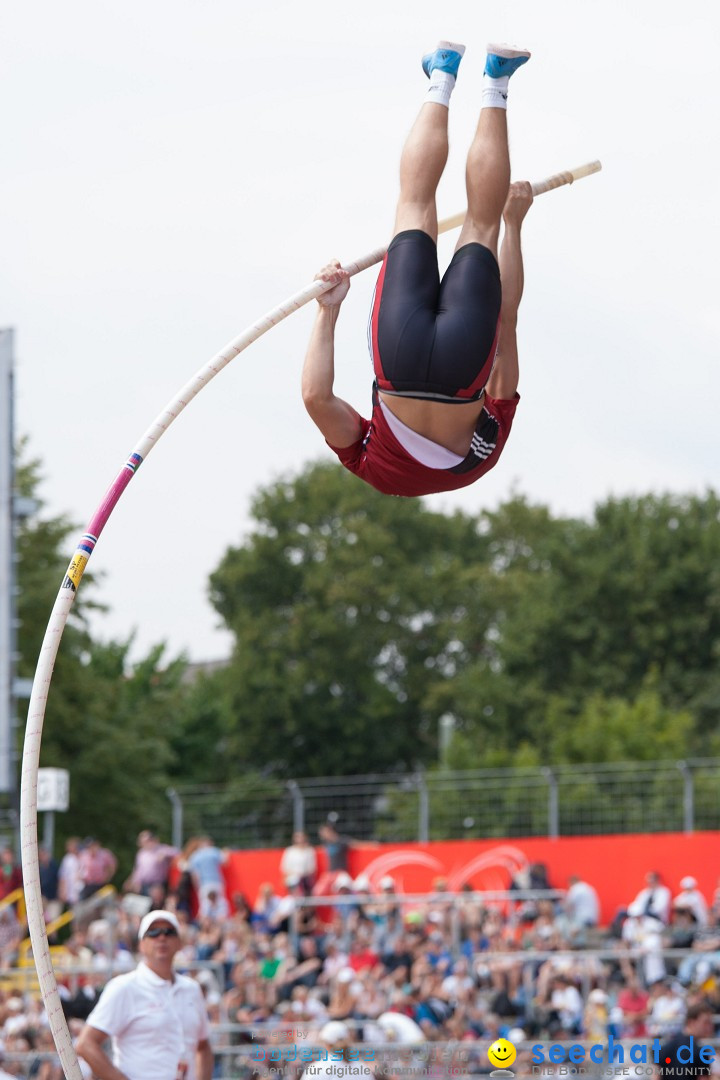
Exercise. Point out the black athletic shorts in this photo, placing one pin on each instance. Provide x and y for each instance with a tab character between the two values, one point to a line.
430	338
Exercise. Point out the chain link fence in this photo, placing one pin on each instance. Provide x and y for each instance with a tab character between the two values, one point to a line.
562	800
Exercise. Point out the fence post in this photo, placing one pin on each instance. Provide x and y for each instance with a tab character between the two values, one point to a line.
298	806
688	796
423	809
177	817
553	803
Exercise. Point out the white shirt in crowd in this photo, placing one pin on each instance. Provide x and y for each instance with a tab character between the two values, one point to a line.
154	1023
69	879
401	1029
582	904
654	901
298	861
569	1005
693	900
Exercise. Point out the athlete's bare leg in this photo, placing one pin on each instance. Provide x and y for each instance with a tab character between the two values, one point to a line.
421	165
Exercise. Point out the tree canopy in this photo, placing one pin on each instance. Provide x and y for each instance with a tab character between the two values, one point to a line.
359	620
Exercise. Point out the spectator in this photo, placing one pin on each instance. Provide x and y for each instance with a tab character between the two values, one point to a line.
10	872
706	943
96	867
69	881
691	899
49	883
336	846
633	1003
698	1025
654	900
299	862
10	937
205	864
567	1005
335	1037
581	904
157	1019
596	1016
213	905
151	869
644	933
667	1009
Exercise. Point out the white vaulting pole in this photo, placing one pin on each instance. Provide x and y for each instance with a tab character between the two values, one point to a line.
71	582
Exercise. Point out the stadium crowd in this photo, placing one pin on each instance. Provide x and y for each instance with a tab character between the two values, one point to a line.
281	971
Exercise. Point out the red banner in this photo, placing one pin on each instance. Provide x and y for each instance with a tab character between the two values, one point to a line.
615	865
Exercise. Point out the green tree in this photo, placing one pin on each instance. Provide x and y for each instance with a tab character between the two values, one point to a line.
108	722
343	603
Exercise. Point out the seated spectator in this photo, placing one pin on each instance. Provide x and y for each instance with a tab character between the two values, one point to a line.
49	870
10	872
213	905
633	1003
691	899
566	1005
581	905
644	932
96	867
680	934
666	1013
706	943
344	993
265	909
655	899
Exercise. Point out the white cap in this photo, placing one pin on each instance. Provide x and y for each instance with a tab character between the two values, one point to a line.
345	975
157	916
342	881
387	882
688	883
334	1032
598	995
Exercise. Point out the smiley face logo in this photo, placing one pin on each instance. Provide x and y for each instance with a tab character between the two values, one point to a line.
502	1053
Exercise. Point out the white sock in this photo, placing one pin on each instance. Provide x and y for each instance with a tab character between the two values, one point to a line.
442	84
495	92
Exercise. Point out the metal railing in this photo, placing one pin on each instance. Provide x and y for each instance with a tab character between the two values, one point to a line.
560	800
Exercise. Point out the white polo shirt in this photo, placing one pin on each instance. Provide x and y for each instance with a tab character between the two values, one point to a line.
152	1022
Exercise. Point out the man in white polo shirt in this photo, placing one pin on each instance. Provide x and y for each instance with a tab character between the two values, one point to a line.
156	1018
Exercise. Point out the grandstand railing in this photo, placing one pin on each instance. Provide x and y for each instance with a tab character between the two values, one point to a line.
552	801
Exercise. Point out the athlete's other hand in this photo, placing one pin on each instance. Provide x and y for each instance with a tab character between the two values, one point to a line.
340	279
518	202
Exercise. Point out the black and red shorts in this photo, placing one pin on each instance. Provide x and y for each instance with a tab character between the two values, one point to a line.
430	338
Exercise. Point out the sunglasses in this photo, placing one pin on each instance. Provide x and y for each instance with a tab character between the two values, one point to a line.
161	931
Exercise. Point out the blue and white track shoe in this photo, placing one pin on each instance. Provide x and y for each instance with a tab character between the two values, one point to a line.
447	57
504	60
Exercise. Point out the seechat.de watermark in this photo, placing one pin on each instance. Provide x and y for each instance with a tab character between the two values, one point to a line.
638	1059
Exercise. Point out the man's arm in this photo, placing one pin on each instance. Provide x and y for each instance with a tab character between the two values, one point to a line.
90	1047
340	424
503	382
204	1060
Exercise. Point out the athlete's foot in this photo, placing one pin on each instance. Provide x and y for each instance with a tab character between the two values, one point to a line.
446	57
504	60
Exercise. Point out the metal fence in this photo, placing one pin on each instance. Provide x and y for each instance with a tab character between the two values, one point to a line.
561	800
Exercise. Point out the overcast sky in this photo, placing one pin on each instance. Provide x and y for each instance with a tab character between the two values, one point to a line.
173	170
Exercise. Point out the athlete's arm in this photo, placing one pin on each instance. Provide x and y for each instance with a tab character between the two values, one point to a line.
340	424
503	382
